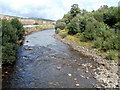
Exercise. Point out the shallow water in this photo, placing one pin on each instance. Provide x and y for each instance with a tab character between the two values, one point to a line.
48	64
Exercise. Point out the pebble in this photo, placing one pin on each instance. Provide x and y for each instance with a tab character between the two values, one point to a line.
77	85
86	71
78	69
75	79
53	83
58	68
29	48
82	76
6	72
69	74
87	78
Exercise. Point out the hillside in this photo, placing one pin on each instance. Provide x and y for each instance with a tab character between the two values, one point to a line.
31	20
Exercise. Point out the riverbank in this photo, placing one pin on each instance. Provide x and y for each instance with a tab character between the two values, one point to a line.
37	28
6	68
108	70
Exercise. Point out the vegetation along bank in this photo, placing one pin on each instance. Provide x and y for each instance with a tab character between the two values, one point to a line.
94	34
13	34
95	30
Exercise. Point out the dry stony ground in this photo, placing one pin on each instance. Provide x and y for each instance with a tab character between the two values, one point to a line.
108	70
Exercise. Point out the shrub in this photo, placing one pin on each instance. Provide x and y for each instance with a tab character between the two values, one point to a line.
61	25
36	24
11	33
98	43
63	35
57	30
73	26
19	26
83	37
111	56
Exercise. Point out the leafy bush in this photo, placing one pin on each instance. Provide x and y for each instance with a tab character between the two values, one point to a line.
36	24
57	30
61	25
111	56
83	37
19	26
63	35
98	43
11	33
73	26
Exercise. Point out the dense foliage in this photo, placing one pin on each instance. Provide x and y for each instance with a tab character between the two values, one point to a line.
101	27
12	31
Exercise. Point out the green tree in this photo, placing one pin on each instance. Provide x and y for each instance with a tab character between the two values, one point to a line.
60	24
111	16
18	25
74	10
9	42
67	18
73	26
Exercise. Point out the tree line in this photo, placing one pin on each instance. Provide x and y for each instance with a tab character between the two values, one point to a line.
12	33
101	27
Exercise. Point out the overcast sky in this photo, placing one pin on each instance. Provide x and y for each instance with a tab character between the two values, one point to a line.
49	9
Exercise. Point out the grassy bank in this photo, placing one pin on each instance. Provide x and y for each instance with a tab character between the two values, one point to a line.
111	55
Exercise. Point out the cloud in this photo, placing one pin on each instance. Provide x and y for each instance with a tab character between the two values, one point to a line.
51	9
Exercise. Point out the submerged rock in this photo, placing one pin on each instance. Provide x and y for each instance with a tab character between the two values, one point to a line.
77	85
75	79
69	74
58	68
29	49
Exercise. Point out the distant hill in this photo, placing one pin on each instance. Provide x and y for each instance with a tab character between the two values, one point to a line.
41	19
30	18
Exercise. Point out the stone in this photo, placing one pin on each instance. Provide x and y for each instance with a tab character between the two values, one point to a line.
75	79
69	74
58	68
86	71
82	76
77	85
6	72
87	78
29	49
53	83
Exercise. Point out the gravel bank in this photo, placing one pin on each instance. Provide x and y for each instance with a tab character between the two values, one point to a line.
108	70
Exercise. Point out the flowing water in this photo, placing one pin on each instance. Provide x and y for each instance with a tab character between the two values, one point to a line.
45	62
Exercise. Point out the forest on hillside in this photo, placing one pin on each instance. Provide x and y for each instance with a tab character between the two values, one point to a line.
100	27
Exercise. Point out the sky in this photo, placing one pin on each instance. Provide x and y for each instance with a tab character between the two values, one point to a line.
49	9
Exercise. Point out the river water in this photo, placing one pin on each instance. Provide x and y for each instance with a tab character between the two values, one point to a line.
45	62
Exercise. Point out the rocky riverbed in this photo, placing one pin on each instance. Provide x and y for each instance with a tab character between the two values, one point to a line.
108	70
46	62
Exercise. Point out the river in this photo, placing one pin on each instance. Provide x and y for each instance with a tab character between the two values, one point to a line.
45	62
